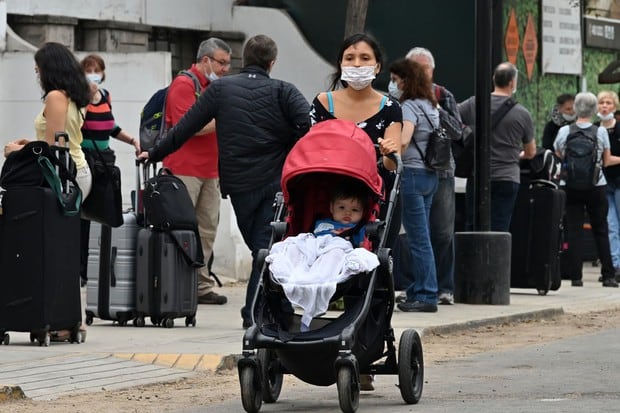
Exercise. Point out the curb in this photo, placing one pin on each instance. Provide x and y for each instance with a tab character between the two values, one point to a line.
468	325
10	392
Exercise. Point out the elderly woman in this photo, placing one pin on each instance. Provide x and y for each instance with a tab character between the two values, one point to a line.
591	197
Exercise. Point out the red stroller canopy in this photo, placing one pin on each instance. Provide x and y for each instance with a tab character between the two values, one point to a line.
333	146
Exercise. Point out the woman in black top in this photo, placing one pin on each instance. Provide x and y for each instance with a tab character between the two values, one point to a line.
561	114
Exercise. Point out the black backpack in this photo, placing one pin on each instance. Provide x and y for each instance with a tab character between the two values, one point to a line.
153	115
581	167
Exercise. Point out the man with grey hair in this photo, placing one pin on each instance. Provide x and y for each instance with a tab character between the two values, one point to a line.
196	163
592	197
511	140
442	208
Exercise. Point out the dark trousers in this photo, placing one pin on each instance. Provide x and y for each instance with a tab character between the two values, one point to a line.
593	201
503	197
442	233
254	212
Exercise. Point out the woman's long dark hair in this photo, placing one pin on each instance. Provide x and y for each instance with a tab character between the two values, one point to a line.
348	42
416	83
60	70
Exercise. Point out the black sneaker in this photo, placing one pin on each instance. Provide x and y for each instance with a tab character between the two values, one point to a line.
417	306
610	282
212	298
576	283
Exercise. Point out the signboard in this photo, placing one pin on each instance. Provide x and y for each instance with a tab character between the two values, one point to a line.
530	46
511	40
602	21
561	38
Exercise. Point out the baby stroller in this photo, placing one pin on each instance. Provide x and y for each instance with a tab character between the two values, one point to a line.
359	340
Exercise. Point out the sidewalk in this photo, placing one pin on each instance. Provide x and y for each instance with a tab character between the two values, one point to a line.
115	357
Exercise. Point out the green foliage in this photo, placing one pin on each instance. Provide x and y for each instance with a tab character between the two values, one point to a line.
538	94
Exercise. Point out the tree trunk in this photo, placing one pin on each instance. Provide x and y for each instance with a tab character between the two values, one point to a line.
355	20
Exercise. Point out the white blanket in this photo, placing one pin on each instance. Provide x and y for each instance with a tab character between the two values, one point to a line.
309	269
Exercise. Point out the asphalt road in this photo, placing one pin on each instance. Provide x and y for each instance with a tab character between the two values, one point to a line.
578	374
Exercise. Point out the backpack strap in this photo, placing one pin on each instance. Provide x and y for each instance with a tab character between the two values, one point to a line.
499	114
330	103
191	75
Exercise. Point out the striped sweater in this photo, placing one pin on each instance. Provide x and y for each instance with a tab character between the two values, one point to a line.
99	123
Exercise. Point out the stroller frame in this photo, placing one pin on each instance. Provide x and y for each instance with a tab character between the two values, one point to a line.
335	349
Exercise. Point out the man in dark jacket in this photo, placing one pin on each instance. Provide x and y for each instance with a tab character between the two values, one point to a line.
258	120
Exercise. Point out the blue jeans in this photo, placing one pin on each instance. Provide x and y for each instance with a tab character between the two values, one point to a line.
417	189
254	212
503	197
442	233
613	222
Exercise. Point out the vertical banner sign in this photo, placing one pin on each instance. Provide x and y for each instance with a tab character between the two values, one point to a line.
511	39
530	46
561	38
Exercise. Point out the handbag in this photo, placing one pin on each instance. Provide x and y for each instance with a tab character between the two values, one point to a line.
167	203
36	165
104	204
438	149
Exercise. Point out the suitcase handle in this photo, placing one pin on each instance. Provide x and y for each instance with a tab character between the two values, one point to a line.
113	267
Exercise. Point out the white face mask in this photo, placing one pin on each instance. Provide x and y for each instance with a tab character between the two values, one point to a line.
358	77
607	117
394	90
94	78
569	118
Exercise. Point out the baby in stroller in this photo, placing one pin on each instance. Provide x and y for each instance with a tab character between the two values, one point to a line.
335	347
309	266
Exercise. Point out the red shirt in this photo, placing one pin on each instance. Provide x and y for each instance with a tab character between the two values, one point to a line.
198	156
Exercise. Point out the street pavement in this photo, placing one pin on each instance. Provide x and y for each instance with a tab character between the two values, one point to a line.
115	357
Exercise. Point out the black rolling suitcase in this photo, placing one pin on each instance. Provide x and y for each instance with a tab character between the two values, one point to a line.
39	244
166	285
536	230
167	277
39	248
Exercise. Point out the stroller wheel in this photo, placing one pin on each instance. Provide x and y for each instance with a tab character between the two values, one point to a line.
271	378
410	366
251	395
348	389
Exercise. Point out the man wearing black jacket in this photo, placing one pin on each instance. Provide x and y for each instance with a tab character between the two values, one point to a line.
258	120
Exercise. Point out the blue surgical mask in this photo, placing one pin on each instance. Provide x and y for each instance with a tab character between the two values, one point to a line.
394	90
94	78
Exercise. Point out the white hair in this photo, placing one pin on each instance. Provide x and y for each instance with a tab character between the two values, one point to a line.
421	51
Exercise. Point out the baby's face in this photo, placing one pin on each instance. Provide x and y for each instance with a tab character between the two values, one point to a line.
347	211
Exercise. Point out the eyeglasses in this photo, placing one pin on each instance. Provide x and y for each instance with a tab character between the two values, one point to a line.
222	63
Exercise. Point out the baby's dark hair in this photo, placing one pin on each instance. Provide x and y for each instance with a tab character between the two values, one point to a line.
351	189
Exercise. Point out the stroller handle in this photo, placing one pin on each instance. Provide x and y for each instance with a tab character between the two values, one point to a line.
397	160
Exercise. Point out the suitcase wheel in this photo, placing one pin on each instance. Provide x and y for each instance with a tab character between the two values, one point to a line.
6	339
122	322
155	321
89	320
190	320
139	322
167	323
543	292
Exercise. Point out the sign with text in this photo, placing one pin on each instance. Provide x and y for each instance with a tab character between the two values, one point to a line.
602	21
561	38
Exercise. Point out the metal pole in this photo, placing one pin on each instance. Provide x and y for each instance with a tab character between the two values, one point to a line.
484	26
